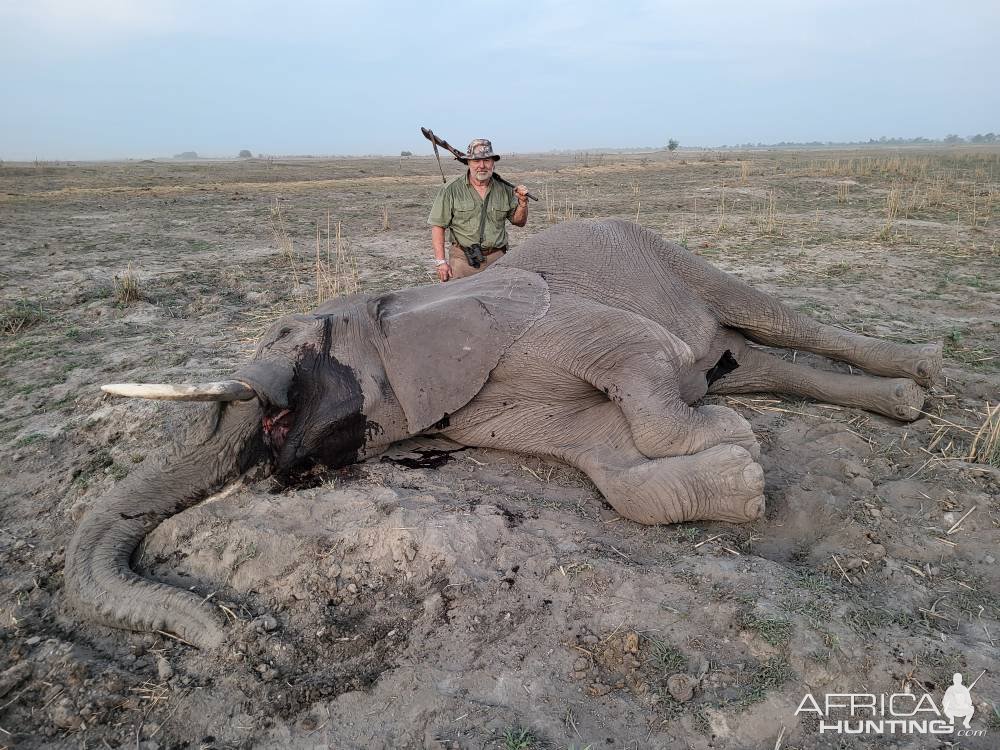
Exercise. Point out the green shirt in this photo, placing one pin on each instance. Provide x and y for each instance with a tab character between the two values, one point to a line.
458	206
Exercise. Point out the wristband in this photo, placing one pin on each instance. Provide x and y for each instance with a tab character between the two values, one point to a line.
440	262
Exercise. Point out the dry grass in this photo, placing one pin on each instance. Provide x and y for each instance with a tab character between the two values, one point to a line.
20	315
913	167
763	216
333	266
722	208
283	240
954	185
985	448
336	270
557	209
126	286
893	201
978	442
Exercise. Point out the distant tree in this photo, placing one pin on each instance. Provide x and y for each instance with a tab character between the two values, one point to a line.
672	144
952	138
245	154
186	155
406	153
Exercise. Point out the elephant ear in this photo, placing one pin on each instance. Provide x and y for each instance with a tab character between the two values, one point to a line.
439	343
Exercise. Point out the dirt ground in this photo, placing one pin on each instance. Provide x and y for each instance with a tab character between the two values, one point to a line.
496	601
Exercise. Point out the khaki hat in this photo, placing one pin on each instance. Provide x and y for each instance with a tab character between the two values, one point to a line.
480	148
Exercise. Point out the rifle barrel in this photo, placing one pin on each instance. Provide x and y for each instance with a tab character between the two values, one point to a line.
429	135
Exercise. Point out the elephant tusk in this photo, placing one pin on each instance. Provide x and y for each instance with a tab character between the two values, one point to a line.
226	390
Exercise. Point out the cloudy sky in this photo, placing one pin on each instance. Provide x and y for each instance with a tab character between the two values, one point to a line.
89	79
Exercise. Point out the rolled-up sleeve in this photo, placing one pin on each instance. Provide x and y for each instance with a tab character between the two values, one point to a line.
441	209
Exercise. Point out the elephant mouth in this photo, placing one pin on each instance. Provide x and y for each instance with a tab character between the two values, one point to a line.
277	424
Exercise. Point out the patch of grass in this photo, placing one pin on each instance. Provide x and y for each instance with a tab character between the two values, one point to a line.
99	460
666	657
868	622
118	472
20	315
978	441
29	440
993	718
817	611
772	630
687	534
517	738
941	665
985	447
974	357
816	583
126	286
820	656
701	722
770	675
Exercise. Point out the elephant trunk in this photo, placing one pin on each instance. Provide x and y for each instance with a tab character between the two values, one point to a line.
99	580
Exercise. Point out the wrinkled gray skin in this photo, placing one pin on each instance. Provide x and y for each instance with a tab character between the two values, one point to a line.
590	344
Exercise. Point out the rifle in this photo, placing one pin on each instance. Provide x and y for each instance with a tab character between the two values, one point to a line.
459	156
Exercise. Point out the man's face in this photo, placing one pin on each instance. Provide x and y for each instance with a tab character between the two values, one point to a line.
481	169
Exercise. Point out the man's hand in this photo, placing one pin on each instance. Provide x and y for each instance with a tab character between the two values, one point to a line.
444	271
520	217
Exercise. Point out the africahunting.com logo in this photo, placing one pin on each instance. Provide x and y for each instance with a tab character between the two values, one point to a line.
895	713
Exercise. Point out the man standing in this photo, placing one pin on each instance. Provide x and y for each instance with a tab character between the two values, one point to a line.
475	207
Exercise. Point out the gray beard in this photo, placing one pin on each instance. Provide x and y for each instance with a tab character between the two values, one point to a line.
483	176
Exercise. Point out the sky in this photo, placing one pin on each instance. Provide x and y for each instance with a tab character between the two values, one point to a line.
103	79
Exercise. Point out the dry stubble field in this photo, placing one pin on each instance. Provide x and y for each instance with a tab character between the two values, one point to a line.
496	601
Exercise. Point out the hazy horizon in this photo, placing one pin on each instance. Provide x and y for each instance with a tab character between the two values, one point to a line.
118	79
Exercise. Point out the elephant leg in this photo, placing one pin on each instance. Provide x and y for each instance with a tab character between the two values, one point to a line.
722	483
763	319
758	371
638	364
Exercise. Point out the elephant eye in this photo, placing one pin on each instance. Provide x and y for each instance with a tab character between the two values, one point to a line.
282	333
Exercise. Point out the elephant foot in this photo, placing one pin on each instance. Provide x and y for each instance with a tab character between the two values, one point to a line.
726	426
928	368
905	400
921	363
698	430
723	483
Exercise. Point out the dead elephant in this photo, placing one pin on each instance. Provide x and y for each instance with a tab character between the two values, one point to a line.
591	344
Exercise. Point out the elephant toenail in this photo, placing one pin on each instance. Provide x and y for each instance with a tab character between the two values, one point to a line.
754	508
753	475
